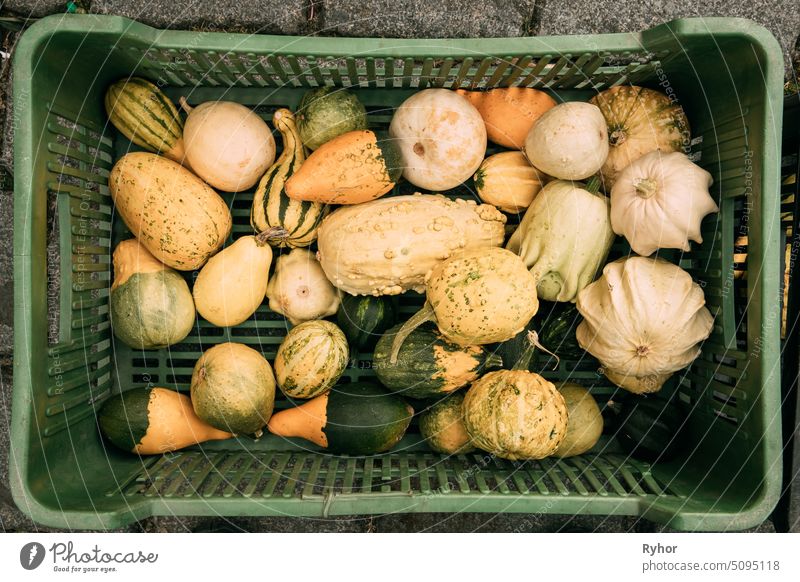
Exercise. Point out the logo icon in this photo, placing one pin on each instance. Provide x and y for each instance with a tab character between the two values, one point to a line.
31	555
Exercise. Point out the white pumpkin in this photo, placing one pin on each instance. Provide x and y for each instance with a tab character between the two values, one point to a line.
299	289
564	239
659	201
569	141
227	144
442	138
643	320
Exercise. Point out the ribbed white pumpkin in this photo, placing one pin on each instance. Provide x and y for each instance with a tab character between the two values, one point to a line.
643	320
659	201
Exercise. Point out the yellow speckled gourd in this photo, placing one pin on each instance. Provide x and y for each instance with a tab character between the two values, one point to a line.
477	297
172	212
516	414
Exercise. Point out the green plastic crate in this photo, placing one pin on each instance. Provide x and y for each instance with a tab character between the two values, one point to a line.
726	72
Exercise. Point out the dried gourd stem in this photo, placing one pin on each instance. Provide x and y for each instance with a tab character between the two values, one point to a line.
646	188
185	104
420	317
275	233
523	363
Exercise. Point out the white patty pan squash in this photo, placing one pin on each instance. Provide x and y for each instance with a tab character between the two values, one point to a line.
569	141
564	239
442	138
643	320
659	201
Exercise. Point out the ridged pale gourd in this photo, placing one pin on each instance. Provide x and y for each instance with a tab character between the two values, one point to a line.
644	319
272	208
564	238
233	389
639	121
143	114
311	358
516	414
386	247
151	305
172	212
232	284
152	421
477	297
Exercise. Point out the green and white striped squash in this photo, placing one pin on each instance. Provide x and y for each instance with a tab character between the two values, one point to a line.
272	208
312	357
143	114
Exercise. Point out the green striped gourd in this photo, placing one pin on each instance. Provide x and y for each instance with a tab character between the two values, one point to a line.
312	357
272	208
143	114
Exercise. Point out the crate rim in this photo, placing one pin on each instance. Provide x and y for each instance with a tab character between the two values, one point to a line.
24	151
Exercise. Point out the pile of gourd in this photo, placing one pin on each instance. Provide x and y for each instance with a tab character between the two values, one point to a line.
643	318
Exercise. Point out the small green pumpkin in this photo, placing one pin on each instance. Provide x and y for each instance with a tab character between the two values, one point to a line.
442	426
328	112
364	318
151	306
427	364
312	357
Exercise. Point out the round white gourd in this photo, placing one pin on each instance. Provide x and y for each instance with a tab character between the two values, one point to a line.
659	201
569	141
442	138
299	289
227	145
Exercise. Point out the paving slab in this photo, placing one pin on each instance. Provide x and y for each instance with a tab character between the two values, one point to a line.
263	16
425	19
34	8
781	17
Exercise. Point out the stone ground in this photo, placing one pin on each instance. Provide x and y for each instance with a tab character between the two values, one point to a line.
381	18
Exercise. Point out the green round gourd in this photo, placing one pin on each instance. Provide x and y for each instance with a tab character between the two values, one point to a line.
364	419
150	306
233	389
364	318
427	364
584	424
311	358
442	426
327	112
